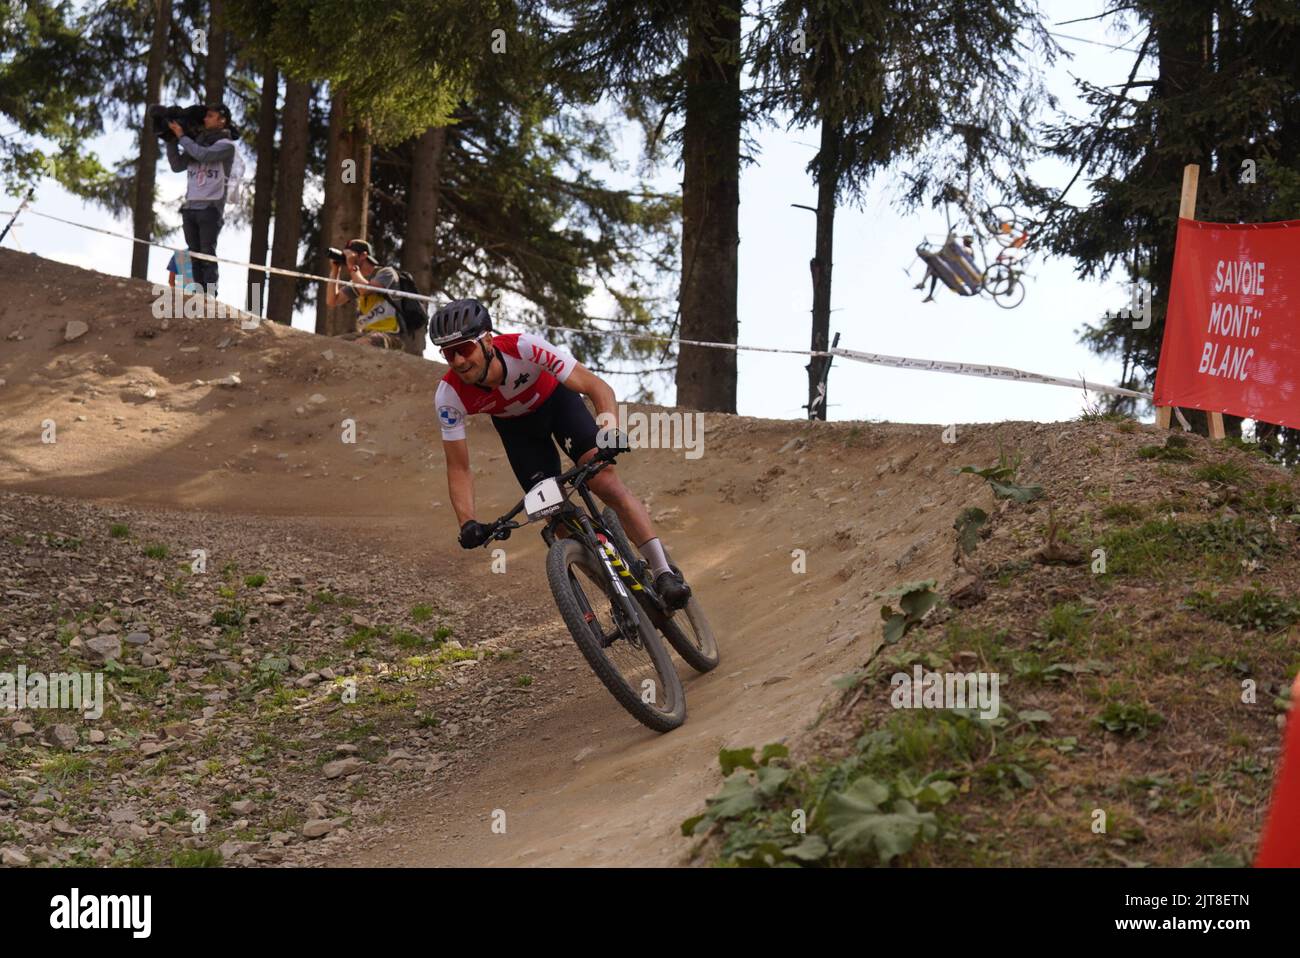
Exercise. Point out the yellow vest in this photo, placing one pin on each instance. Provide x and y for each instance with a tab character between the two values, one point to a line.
376	314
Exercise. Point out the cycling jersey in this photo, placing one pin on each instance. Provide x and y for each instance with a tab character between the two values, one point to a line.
534	368
530	440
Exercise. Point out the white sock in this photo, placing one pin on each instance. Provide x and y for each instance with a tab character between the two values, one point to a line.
653	551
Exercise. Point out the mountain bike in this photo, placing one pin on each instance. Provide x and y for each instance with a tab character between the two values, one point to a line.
608	599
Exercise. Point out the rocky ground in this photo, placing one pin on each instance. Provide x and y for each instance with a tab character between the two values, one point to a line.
255	711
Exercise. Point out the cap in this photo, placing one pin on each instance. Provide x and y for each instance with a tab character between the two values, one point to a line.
364	248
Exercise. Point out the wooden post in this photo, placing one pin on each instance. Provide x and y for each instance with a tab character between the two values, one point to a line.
1187	211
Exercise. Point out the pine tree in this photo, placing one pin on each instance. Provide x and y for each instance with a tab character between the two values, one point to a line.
1225	89
680	59
936	90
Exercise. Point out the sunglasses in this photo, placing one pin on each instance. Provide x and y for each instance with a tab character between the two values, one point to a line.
464	350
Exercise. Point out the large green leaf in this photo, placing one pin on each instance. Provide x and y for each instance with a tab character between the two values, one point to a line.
770	779
855	830
895	625
968	528
688	826
992	473
864	795
772	750
811	849
1009	490
736	797
917	603
733	758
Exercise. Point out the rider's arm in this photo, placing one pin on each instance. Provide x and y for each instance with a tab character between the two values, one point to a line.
455	448
460	483
583	380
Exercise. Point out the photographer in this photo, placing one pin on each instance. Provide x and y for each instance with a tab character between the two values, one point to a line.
207	157
377	322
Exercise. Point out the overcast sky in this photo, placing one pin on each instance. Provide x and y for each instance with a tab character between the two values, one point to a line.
874	306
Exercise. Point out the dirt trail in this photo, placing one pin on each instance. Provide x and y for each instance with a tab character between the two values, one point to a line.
139	420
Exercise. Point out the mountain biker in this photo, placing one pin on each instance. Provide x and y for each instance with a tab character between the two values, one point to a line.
515	378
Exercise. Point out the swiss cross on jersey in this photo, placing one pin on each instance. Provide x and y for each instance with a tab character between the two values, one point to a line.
534	367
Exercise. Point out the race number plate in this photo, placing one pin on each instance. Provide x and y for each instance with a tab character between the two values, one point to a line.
543	499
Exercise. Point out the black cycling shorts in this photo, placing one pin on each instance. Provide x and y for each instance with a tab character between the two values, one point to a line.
530	440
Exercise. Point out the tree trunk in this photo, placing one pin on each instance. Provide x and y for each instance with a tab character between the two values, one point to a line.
329	209
828	172
263	186
146	171
706	378
214	77
345	208
422	206
422	209
292	168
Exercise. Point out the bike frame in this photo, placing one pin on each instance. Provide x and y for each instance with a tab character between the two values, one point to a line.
585	527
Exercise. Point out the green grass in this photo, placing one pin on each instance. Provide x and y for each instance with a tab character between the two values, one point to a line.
1275	498
197	858
226	618
421	612
1068	623
1122	512
1175	449
1158	543
524	681
1222	473
408	640
1128	719
255	581
156	550
1254	609
118	530
65	770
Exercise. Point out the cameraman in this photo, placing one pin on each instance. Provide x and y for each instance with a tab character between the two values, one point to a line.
207	157
377	322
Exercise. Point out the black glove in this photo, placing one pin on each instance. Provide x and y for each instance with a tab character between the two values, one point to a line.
473	534
611	442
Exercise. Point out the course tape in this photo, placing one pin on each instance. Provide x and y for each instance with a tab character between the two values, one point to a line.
898	362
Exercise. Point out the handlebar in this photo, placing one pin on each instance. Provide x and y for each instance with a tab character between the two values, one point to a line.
502	527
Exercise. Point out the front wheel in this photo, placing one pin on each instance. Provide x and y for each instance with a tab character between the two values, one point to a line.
1004	285
615	636
687	630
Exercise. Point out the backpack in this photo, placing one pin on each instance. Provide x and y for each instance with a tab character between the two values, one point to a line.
411	313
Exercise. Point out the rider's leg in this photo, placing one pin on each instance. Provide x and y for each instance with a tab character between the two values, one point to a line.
574	428
528	446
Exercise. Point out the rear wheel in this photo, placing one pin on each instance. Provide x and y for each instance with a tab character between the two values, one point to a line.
687	630
616	637
1004	285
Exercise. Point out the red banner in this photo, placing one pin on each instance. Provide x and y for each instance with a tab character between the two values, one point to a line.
1232	334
